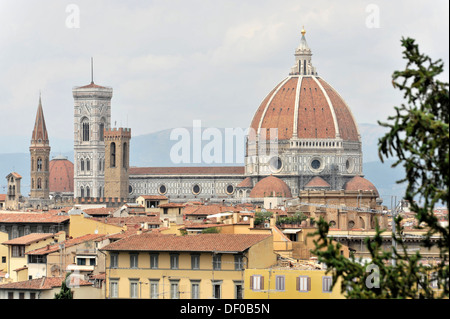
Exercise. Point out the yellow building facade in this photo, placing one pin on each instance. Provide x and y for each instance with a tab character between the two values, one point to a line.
273	283
184	267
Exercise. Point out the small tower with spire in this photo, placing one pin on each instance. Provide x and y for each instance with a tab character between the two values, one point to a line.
40	154
303	64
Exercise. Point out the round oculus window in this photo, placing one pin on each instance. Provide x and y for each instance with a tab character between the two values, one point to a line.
130	189
196	189
162	189
230	189
315	164
275	163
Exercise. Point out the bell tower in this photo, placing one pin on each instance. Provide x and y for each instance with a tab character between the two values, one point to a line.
40	154
92	115
117	163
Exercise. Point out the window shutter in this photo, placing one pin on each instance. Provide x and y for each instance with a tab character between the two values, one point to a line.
262	282
251	282
298	283
309	283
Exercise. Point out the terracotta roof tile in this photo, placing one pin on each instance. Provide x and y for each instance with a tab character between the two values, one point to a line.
43	283
317	181
32	218
28	239
68	243
202	242
247	182
154	197
2	197
270	186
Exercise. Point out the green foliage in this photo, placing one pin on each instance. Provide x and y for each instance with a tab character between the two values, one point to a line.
211	230
419	138
261	217
65	292
297	218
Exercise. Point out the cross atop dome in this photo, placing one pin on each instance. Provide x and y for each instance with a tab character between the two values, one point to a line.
303	65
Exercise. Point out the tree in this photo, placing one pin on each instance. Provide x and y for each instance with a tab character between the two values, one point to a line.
419	139
65	292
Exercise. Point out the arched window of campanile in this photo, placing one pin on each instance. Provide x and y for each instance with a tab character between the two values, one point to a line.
85	130
125	155
81	192
39	183
102	129
39	164
113	154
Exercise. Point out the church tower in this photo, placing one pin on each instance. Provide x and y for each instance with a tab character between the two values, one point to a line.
40	154
92	115
117	163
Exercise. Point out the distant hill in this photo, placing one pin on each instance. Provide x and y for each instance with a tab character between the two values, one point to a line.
154	150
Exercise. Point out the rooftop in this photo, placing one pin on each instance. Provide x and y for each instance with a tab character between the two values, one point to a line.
198	243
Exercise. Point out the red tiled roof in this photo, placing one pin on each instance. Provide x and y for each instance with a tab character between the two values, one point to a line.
317	181
99	211
270	186
155	197
2	197
32	218
211	170
92	85
247	182
130	220
359	183
202	242
68	243
208	209
16	175
43	283
28	239
171	205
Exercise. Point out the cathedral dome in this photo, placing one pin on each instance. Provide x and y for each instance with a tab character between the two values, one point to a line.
304	106
359	183
271	186
61	175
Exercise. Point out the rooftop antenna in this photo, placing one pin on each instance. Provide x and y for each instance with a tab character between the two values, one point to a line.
92	70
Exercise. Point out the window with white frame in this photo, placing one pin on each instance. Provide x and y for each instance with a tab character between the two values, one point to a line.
195	289
154	261
327	282
114	288
279	283
257	282
134	283
174	290
174	261
303	283
134	260
154	289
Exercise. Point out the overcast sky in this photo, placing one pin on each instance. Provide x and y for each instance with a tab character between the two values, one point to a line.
172	62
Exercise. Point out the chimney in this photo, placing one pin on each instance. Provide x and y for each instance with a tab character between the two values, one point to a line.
235	217
252	222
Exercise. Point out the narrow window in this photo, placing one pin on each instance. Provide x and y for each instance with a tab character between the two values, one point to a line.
113	155
114	289
326	283
154	261
102	131
195	261
114	260
125	155
173	261
39	164
279	283
195	289
303	284
133	260
154	289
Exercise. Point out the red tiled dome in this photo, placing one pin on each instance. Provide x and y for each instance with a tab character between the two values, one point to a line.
359	183
270	186
61	175
306	107
317	182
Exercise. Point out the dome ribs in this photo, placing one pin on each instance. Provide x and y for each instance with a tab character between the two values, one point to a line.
318	123
280	112
347	125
